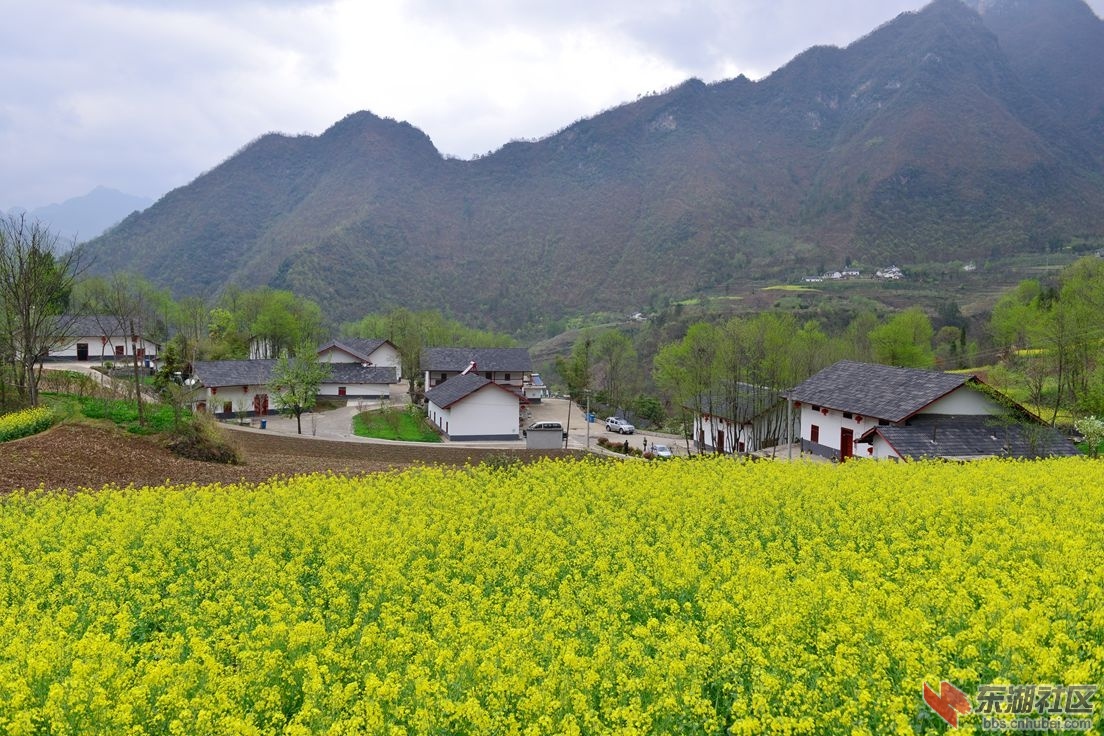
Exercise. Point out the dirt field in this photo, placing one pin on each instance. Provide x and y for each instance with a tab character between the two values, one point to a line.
75	456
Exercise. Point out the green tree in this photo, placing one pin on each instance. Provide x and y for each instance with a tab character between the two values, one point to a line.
1015	314
262	323
686	372
296	379
577	369
856	338
615	359
905	340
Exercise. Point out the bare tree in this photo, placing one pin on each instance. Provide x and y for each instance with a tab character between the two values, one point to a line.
35	282
122	304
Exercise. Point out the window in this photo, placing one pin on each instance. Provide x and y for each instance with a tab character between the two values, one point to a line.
883	423
228	407
507	376
816	408
120	350
814	433
488	375
847	415
341	390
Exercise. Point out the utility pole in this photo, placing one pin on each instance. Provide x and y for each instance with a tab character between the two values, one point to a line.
789	429
567	431
587	418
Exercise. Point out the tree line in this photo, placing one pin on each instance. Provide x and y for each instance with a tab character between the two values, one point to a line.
1043	344
44	289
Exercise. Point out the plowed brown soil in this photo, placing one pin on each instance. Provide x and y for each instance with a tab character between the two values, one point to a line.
77	456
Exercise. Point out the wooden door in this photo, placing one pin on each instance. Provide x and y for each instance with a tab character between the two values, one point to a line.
847	443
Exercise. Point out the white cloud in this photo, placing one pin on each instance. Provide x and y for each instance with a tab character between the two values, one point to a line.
144	96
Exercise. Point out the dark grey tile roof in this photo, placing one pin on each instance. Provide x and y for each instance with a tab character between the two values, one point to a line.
878	391
96	326
745	403
485	359
258	372
359	347
936	435
344	373
233	372
448	393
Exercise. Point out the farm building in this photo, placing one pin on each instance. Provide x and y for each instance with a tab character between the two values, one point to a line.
102	338
473	407
852	409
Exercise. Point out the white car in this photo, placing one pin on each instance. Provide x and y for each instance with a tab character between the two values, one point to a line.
662	452
619	425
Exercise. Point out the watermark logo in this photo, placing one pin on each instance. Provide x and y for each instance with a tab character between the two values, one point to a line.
1033	707
949	703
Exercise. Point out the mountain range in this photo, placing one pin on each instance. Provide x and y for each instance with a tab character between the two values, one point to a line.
82	218
961	131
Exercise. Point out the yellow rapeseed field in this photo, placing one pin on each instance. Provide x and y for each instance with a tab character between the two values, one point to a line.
696	597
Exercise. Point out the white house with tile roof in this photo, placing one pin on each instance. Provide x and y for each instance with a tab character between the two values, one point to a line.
233	386
505	366
473	407
372	353
101	337
853	409
748	419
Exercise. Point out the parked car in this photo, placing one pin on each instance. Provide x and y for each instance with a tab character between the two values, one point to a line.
619	425
546	426
662	452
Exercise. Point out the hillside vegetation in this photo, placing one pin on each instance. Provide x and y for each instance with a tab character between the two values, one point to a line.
943	135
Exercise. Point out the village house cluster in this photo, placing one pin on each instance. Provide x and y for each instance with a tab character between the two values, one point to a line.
848	410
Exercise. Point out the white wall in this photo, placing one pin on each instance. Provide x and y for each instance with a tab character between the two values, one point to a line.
385	356
355	390
433	378
831	425
733	434
96	344
964	401
882	450
489	412
217	396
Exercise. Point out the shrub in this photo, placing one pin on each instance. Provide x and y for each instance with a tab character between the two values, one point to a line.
200	439
1092	429
25	423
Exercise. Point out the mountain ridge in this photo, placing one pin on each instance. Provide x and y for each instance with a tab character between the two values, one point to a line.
927	136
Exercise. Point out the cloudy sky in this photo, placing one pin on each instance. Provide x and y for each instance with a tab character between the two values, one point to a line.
144	95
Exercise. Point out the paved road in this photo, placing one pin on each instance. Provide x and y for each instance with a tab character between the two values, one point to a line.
337	424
